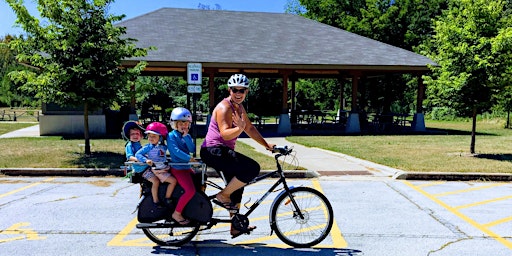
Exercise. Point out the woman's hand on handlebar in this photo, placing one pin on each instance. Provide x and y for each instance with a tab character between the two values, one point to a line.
271	147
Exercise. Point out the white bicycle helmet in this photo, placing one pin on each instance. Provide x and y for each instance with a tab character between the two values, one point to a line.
238	80
179	114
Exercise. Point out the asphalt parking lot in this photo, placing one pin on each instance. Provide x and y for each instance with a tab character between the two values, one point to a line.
373	216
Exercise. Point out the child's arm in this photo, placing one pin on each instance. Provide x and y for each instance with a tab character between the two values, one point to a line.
190	144
130	155
178	155
141	154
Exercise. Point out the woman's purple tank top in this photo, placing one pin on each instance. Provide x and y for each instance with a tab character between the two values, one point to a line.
213	137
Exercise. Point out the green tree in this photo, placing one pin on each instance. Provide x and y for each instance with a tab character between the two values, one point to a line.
401	23
471	40
10	95
76	52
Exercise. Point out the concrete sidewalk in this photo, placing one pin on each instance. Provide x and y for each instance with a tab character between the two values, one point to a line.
31	131
326	163
316	161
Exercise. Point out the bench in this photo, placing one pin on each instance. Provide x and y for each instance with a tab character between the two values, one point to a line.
3	116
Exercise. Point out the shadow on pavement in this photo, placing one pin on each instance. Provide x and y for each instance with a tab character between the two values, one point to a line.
219	247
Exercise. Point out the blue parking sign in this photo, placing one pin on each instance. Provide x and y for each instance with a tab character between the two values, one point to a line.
194	73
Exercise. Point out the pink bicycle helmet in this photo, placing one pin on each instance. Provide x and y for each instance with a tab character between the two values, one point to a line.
158	129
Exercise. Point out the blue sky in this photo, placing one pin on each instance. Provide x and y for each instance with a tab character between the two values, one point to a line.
133	8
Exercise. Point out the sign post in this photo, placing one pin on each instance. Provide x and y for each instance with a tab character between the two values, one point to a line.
194	79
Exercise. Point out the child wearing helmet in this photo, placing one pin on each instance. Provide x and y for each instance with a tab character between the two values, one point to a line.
154	154
180	146
133	133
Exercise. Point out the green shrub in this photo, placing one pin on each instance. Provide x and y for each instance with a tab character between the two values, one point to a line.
442	114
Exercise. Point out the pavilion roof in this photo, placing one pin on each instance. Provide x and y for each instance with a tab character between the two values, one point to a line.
260	43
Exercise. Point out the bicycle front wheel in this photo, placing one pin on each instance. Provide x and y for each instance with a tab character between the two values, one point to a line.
301	218
164	234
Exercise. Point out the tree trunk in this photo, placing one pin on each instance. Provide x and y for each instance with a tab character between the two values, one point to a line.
508	119
473	132
86	130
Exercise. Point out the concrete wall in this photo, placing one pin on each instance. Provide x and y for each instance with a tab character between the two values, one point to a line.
71	125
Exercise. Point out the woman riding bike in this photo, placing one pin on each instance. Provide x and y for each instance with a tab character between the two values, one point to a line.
229	120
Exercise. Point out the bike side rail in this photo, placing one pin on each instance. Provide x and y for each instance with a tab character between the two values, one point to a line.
198	167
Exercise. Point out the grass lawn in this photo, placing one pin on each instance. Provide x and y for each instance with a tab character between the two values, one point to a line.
444	153
57	152
448	151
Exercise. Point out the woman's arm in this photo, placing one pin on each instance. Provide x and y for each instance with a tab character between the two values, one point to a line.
256	135
253	132
226	118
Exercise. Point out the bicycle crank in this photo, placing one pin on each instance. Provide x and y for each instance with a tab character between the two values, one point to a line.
240	222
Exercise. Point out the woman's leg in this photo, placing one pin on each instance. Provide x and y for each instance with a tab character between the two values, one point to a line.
238	169
234	184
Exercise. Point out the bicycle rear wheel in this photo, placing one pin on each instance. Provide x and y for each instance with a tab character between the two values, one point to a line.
305	226
163	233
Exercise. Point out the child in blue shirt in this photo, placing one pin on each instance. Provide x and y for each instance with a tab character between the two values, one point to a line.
154	154
180	147
133	133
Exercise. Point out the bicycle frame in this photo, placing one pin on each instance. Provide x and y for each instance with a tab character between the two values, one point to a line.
294	202
280	181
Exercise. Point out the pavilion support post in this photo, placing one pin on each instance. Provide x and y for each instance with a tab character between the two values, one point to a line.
284	127
341	105
133	113
211	97
353	125
418	121
293	112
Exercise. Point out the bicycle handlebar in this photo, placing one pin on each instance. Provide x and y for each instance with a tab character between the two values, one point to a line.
283	150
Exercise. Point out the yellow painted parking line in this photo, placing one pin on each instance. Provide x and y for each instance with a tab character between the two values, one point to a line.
17	232
469	189
483	202
337	237
457	213
430	184
25	187
497	222
120	238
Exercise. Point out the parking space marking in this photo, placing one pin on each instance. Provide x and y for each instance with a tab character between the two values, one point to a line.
468	189
121	239
482	227
337	236
19	233
25	187
483	202
429	184
497	222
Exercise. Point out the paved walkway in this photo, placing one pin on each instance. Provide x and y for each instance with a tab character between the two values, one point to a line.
31	131
326	162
